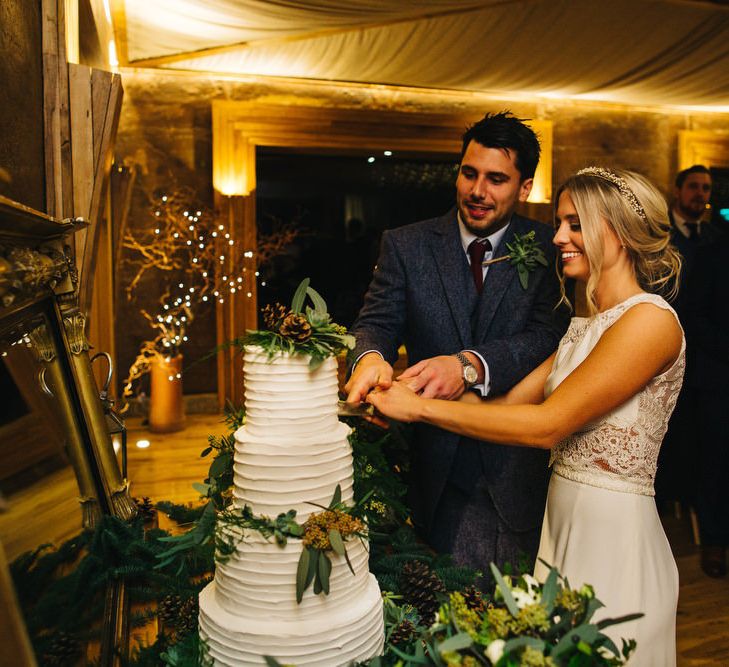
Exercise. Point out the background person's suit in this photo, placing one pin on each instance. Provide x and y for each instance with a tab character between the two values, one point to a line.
423	295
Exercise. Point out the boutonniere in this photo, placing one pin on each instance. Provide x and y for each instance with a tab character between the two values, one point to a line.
525	252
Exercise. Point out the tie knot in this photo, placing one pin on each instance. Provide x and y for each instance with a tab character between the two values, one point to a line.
477	249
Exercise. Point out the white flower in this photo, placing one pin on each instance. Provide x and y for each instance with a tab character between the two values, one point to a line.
532	584
495	650
522	598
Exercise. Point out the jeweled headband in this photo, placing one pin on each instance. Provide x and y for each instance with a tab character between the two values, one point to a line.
624	188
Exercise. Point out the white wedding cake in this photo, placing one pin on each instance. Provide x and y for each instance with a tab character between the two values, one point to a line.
292	451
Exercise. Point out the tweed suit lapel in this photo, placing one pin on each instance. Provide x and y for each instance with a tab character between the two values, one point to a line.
498	279
452	269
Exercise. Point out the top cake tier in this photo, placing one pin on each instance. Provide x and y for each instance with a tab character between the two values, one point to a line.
283	397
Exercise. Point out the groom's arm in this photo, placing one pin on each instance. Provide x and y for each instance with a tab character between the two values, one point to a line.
380	324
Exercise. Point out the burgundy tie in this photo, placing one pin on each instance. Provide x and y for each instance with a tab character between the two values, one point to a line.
476	250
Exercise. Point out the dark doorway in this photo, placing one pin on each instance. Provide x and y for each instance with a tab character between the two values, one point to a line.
341	203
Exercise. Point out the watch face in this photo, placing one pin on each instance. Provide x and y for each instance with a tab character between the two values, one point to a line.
470	374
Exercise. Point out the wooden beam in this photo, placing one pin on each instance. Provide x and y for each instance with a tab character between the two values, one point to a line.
106	99
57	126
119	26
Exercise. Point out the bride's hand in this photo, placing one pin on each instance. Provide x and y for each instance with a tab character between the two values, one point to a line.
398	402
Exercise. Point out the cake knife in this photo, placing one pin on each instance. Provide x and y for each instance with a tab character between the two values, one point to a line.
345	409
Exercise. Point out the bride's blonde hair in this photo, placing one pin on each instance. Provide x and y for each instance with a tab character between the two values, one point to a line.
638	213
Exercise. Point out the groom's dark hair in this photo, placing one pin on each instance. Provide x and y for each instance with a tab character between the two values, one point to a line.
504	130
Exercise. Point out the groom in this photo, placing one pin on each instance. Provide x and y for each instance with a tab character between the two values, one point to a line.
467	327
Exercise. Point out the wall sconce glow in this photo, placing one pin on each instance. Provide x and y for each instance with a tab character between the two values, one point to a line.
143	444
229	187
113	60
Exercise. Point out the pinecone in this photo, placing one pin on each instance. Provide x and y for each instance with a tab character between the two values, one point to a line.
403	633
474	599
168	610
273	314
421	587
64	650
146	509
187	619
296	327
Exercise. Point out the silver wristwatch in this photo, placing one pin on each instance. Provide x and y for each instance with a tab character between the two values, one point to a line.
470	373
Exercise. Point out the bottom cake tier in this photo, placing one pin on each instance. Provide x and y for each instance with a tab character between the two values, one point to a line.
351	634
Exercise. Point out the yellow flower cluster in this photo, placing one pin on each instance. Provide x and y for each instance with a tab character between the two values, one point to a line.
569	600
458	660
500	624
466	619
530	657
377	506
317	527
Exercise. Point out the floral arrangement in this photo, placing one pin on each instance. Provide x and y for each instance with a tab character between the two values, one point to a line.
526	623
298	330
524	255
321	533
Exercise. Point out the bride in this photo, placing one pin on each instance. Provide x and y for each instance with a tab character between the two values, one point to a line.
601	403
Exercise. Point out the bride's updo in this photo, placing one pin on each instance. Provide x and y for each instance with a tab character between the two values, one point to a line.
638	214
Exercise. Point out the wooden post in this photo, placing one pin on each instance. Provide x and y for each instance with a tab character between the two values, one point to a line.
239	310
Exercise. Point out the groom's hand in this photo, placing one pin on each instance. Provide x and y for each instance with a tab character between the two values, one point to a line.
437	377
370	371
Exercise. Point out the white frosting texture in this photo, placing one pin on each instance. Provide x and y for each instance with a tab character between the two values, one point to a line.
291	453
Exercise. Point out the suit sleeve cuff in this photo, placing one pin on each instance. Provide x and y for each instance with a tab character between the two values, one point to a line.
484	387
356	361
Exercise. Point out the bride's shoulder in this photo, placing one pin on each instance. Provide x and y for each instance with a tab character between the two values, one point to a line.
648	319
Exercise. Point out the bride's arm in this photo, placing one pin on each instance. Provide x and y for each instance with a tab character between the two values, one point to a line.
645	341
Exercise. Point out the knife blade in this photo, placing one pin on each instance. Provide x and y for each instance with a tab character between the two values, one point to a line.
345	409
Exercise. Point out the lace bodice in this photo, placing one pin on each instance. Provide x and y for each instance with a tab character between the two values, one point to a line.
620	450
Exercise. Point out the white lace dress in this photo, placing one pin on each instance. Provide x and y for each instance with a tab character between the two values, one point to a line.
601	525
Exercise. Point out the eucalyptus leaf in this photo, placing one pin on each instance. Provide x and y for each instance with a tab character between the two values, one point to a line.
549	590
585	632
201	488
220	465
319	304
205	452
335	539
592	606
336	498
520	642
607	622
325	569
505	591
349	563
302	571
313	565
455	643
271	662
297	302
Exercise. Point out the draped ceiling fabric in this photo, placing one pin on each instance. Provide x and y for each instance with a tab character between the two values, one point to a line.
641	52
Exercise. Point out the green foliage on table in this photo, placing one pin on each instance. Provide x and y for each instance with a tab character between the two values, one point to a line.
303	329
527	623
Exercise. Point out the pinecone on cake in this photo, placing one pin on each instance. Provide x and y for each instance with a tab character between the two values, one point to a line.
64	650
422	588
273	315
403	633
296	327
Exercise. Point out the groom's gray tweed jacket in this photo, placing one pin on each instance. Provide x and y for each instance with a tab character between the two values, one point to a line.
422	294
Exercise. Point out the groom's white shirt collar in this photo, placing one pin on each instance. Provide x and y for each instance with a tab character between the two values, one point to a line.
467	237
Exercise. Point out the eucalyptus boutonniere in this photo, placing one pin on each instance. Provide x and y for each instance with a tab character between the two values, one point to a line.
525	253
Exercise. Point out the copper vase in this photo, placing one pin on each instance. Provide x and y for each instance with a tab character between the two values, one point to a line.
166	408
